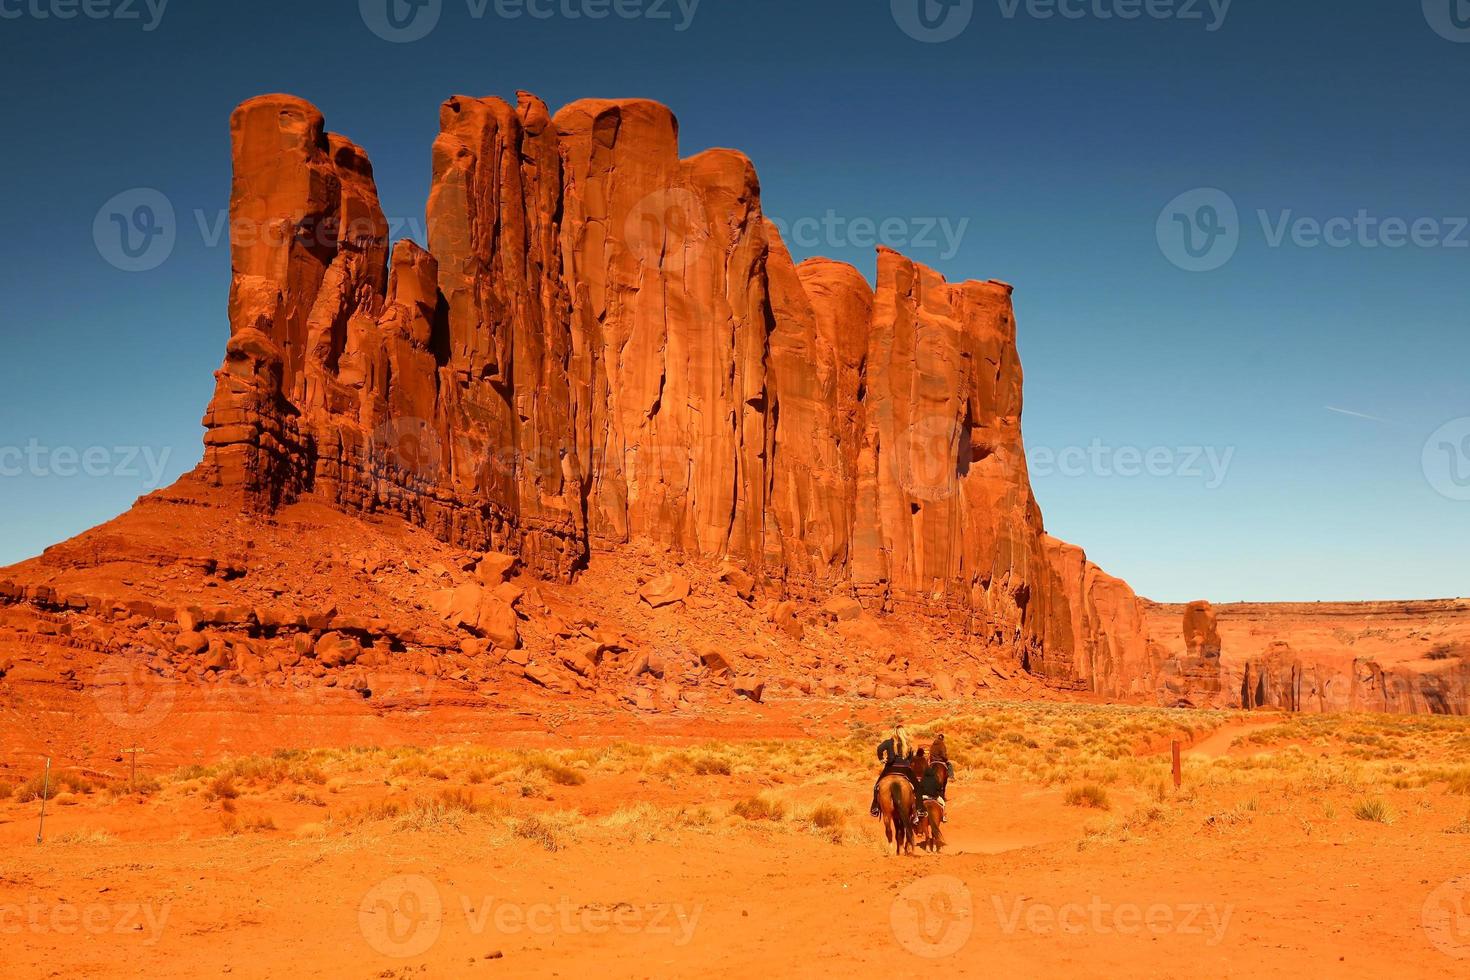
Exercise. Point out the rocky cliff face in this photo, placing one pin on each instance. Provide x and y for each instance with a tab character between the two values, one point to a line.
605	343
1393	657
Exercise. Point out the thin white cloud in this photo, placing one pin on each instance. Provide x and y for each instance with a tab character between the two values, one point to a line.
1352	414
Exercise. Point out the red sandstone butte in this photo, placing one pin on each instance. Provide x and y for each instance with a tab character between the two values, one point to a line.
605	369
621	348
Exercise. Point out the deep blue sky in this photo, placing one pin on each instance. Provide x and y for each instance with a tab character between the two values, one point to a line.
1059	141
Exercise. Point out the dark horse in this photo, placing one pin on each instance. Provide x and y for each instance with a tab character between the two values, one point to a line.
896	804
932	783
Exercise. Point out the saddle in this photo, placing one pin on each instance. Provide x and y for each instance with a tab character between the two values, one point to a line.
898	769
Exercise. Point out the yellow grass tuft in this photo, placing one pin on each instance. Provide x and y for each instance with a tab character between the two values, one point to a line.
1089	795
760	808
1373	810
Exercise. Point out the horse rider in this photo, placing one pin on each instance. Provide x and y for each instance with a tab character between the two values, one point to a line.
897	755
939	754
931	787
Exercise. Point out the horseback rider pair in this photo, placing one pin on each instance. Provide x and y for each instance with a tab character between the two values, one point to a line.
899	755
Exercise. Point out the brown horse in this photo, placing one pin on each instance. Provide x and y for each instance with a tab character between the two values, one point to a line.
932	815
896	804
930	826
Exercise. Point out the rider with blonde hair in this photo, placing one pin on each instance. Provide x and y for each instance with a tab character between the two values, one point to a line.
897	755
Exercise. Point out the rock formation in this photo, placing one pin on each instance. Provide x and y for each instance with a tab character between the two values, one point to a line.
1399	658
604	343
1193	679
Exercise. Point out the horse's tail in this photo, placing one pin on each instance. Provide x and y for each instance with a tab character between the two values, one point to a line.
902	819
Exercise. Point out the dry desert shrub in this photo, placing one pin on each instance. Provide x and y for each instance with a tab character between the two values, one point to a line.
697	818
1458	781
222	787
58	784
1374	810
1237	815
826	820
305	797
556	772
258	823
1089	795
538	831
760	808
84	836
641	823
447	811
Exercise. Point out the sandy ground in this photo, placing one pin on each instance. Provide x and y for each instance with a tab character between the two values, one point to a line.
1028	886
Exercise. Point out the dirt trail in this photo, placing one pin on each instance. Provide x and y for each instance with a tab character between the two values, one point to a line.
1218	743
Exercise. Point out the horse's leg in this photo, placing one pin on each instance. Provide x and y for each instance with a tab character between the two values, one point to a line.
901	815
908	825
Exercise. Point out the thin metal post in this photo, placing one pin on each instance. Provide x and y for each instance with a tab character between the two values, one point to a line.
45	792
1178	776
